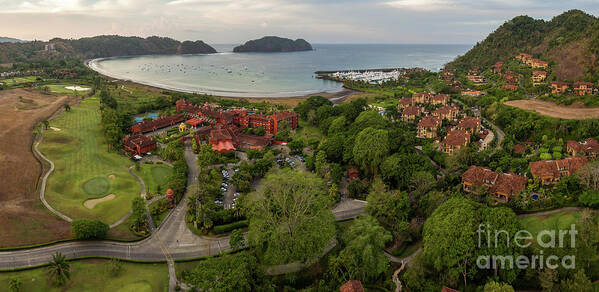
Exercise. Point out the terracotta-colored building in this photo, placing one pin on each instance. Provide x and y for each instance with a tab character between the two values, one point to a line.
404	103
440	99
501	185
221	140
139	144
538	77
427	127
497	67
583	88
524	57
476	79
448	112
454	141
410	113
510	87
536	63
551	171
469	124
159	123
471	92
559	87
422	97
589	147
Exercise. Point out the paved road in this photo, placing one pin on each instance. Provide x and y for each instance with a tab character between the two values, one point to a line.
500	133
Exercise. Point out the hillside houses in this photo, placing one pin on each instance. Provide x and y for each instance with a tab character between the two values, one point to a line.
538	77
583	88
588	147
410	113
559	87
531	62
454	141
551	171
427	127
502	186
448	112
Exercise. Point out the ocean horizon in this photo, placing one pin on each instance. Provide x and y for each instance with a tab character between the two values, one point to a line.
271	75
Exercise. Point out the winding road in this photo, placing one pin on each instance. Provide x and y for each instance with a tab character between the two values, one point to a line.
172	240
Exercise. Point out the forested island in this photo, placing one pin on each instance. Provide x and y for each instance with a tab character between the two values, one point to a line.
274	44
100	47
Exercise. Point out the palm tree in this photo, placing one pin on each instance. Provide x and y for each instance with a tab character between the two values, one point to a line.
59	270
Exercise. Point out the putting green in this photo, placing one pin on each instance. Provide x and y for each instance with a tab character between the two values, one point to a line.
85	167
161	174
97	186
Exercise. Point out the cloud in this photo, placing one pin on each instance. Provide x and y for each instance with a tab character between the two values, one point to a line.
235	21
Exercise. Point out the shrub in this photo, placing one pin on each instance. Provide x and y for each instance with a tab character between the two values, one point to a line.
232	226
590	199
89	229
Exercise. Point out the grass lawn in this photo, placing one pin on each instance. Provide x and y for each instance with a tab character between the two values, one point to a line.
155	175
558	221
158	219
307	131
84	167
19	80
92	275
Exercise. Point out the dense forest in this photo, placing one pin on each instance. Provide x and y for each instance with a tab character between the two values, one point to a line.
274	44
569	42
100	46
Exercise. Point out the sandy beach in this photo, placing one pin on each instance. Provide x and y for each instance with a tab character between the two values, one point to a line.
335	97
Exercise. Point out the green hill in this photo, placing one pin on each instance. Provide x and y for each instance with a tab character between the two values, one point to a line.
274	44
100	46
570	42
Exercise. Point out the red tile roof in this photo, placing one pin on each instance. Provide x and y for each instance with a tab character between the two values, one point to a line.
505	183
411	111
469	123
588	146
405	101
429	122
551	168
457	138
352	286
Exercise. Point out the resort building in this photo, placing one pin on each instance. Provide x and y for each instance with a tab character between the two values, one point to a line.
159	123
538	77
139	144
510	87
559	87
427	127
238	117
442	99
469	124
422	97
454	141
449	112
589	147
509	77
583	88
501	185
221	140
410	113
230	138
404	103
551	171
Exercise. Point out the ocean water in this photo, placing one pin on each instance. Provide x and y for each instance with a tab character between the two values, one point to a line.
271	74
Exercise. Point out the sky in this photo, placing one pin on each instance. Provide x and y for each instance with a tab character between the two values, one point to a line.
236	21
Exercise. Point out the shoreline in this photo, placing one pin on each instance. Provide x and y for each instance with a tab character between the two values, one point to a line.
266	96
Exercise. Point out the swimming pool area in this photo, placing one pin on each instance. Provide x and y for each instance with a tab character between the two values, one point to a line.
153	116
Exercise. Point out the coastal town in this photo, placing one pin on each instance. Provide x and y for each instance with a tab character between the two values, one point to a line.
406	179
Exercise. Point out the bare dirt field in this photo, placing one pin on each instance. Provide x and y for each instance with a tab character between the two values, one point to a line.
23	218
553	110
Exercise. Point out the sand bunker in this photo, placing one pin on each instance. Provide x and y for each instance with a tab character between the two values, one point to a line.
55	129
112	176
77	88
90	204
